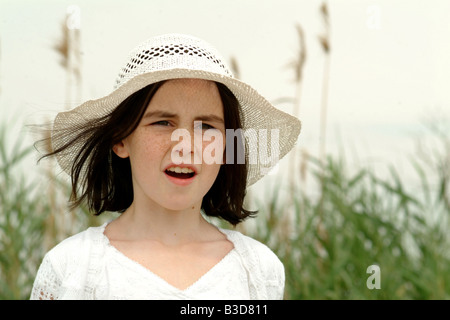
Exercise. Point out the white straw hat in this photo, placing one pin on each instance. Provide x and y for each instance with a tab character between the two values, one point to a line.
175	56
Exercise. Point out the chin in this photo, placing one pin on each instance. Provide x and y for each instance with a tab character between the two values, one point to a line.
174	205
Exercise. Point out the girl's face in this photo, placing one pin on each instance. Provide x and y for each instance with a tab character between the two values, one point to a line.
155	154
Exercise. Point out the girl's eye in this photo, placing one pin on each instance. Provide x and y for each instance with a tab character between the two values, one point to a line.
205	126
161	123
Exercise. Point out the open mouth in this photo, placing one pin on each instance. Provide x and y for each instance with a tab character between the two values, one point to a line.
180	173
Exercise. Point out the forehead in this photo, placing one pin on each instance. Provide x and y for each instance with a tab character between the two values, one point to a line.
188	95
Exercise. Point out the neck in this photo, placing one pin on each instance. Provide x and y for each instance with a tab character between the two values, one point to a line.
170	227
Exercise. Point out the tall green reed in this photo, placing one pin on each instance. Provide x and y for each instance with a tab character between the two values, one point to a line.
328	241
22	223
34	217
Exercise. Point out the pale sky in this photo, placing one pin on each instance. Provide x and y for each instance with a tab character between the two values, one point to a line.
389	59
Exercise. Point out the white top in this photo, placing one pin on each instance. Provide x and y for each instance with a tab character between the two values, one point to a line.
87	266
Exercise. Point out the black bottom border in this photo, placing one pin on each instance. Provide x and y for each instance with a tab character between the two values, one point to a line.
228	309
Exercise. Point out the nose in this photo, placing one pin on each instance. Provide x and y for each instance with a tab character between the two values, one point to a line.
187	146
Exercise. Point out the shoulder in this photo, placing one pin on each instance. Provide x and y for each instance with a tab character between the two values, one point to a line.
79	241
68	270
260	254
265	270
75	249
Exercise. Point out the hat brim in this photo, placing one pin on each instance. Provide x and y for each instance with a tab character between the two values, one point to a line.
258	117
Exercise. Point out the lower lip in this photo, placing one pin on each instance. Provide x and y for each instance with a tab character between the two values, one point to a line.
180	182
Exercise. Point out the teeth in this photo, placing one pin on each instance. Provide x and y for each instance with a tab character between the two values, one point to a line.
180	170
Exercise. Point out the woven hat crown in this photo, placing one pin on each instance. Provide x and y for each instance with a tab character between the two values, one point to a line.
169	52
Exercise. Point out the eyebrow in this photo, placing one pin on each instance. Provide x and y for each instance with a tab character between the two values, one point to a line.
165	114
210	117
159	114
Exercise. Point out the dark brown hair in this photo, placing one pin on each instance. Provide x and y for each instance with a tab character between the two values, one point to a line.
103	180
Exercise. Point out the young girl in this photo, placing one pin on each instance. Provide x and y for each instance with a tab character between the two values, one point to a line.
158	150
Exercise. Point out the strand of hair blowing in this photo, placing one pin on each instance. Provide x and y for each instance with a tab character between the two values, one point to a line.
107	181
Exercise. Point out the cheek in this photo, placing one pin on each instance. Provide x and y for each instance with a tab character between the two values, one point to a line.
156	147
145	148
